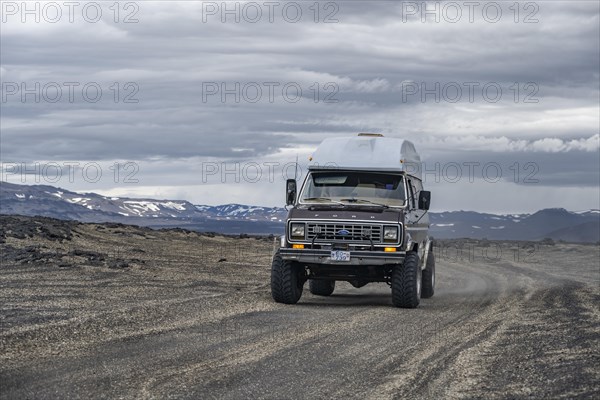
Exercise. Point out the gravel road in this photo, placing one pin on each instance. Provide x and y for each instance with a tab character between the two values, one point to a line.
112	311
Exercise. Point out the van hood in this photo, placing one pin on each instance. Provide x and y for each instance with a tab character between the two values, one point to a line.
350	213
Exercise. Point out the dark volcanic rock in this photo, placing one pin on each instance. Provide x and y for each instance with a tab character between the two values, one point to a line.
29	255
118	264
20	227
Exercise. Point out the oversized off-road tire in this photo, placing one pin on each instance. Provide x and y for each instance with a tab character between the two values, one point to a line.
286	284
428	277
321	288
406	282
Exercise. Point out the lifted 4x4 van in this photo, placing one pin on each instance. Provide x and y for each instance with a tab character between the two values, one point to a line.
360	216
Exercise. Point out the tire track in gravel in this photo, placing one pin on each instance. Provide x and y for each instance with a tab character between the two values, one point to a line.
352	344
487	368
504	329
373	352
469	320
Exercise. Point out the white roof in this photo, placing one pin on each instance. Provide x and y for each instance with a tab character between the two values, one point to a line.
370	153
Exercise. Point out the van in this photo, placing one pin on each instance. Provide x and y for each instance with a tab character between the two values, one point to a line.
361	216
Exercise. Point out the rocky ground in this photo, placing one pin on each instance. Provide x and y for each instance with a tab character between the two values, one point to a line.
115	311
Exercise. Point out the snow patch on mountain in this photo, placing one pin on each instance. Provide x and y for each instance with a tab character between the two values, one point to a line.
173	205
75	200
140	207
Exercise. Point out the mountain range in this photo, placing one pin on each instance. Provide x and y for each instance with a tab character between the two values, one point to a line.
50	201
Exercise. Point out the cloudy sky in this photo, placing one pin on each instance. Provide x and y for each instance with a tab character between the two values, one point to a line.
212	102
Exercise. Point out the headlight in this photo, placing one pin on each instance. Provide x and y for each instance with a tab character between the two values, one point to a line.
297	231
390	233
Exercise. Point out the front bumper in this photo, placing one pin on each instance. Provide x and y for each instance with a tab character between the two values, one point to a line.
320	256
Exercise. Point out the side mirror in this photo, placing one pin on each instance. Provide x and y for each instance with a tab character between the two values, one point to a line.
290	192
424	199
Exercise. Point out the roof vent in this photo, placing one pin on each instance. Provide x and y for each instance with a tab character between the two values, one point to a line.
370	134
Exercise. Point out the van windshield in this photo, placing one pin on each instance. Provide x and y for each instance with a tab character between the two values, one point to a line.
354	187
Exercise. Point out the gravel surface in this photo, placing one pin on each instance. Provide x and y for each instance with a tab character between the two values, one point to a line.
114	311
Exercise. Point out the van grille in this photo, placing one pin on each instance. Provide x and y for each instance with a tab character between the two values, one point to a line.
357	233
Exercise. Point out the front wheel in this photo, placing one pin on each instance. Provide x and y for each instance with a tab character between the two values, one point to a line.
321	288
286	284
406	282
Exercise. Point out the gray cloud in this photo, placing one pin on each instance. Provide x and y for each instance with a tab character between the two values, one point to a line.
370	58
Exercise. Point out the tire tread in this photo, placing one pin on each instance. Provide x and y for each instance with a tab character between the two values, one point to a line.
284	281
404	282
321	288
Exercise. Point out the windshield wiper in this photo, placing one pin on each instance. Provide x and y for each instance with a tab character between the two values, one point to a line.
365	201
322	198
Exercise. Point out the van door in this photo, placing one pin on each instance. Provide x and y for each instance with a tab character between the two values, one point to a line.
417	221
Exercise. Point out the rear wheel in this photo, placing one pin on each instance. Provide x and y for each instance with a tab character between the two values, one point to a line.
286	283
428	277
406	282
357	283
321	288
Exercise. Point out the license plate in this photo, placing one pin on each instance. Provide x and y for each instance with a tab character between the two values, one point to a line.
338	255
